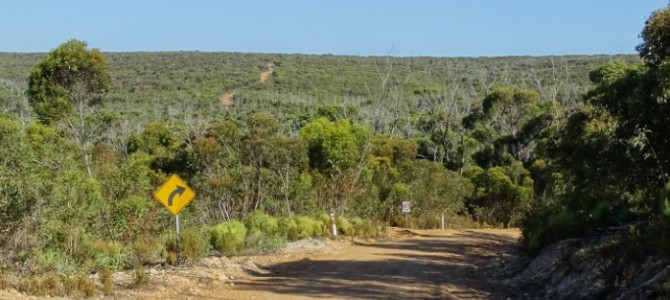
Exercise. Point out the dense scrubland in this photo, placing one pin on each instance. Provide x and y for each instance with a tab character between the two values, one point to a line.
558	146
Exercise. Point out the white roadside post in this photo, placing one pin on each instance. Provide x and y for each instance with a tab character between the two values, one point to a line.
332	218
442	220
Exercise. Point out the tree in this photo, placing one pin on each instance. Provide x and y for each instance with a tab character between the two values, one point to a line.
612	152
337	150
64	87
501	193
508	125
655	46
69	77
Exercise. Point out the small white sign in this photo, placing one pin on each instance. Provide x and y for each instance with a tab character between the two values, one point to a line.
405	207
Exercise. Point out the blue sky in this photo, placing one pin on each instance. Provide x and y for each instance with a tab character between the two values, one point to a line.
352	27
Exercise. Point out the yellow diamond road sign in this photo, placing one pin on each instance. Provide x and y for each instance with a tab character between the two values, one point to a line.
174	194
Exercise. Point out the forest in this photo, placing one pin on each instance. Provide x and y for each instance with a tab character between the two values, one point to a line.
558	146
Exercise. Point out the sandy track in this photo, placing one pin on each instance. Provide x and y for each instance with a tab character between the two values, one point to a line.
413	265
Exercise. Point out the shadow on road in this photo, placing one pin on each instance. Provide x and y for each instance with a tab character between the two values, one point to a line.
419	267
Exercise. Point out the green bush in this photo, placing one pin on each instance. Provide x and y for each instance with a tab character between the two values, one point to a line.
397	221
54	260
260	242
426	221
307	227
288	228
544	225
110	254
564	224
320	229
344	227
228	237
31	285
143	249
141	277
260	221
193	243
325	224
367	228
170	253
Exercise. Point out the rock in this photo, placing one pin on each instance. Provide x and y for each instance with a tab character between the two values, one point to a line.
595	267
211	262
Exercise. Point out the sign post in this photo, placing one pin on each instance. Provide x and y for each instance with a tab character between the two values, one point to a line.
174	195
406	210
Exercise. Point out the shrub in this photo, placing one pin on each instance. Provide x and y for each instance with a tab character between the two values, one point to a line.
106	280
288	228
141	277
110	254
260	242
228	237
52	285
193	244
397	221
564	224
543	225
306	227
31	286
325	224
170	253
54	260
344	227
426	221
85	285
143	249
259	221
4	281
367	228
69	284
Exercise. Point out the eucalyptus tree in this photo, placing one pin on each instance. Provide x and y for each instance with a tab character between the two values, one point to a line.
64	88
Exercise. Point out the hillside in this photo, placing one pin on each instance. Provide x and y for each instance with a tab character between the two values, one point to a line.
373	87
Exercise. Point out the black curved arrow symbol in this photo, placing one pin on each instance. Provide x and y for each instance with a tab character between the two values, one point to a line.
179	190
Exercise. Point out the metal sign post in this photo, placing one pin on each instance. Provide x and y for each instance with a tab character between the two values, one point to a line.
174	194
176	221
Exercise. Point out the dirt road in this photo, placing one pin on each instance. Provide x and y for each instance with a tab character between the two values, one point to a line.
416	264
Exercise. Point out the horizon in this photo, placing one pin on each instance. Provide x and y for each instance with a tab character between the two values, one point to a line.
330	54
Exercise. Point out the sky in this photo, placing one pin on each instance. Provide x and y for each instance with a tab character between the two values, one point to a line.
442	28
